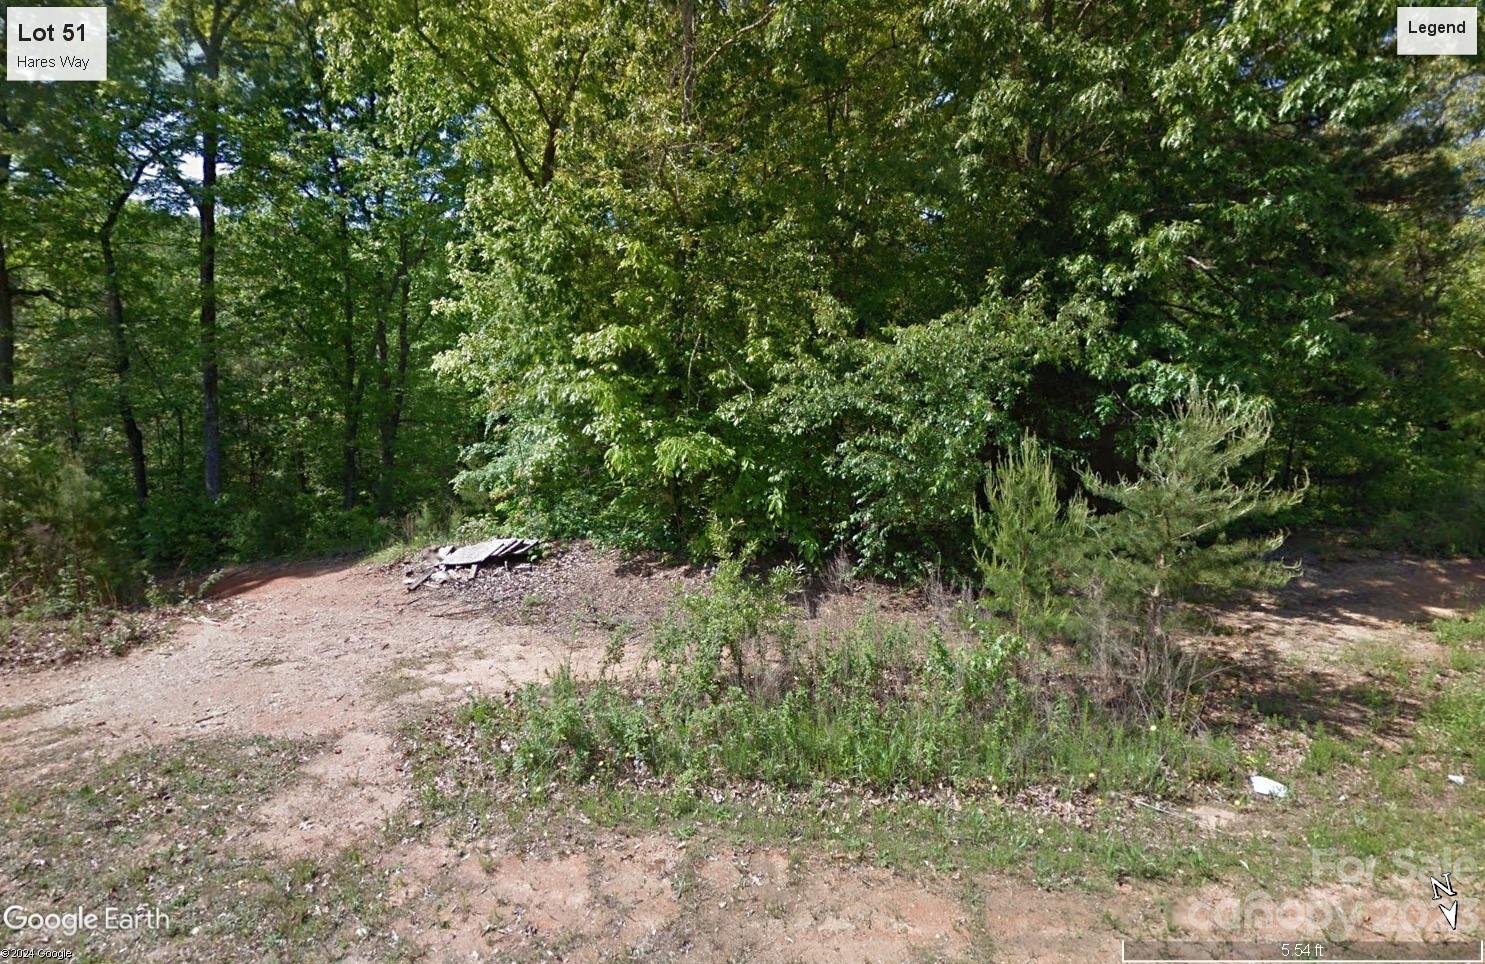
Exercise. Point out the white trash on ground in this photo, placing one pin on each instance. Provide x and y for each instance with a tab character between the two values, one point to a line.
1457	778
1265	787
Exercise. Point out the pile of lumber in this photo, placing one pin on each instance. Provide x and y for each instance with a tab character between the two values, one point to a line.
462	563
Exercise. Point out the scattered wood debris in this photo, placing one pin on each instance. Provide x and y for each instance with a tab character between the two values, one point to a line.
574	585
462	563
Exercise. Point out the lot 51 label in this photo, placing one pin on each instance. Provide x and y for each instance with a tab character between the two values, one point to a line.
56	43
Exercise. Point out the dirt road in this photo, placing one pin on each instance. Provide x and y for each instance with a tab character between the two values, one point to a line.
341	656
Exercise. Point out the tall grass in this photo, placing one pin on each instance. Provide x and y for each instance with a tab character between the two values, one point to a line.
735	696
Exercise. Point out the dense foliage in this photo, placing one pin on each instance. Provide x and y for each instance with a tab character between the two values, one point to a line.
723	278
796	271
219	268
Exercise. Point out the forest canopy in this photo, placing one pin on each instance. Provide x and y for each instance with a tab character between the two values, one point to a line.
721	277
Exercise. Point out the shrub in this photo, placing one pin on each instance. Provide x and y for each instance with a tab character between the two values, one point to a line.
729	625
58	531
186	529
194	532
298	524
559	729
881	706
1027	539
1171	538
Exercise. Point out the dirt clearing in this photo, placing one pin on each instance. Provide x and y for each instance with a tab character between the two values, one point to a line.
332	661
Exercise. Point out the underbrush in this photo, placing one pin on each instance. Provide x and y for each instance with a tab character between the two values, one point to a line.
736	696
52	632
1441	518
68	623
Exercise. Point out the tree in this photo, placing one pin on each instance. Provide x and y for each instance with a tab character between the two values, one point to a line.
124	150
93	147
733	278
798	273
1170	533
210	36
343	236
9	127
1029	541
19	195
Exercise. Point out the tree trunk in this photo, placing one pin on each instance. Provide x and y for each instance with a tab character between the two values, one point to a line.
133	436
7	301
688	58
7	329
394	387
211	449
385	440
350	385
350	467
74	420
1036	138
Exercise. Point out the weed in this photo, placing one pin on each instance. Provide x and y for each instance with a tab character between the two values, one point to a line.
882	706
1463	636
1327	752
1457	719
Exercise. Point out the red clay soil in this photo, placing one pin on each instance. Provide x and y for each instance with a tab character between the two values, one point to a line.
344	655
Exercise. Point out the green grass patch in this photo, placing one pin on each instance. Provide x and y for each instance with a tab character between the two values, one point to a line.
1457	720
941	830
882	709
1382	658
1395	806
1398	809
1461	630
1327	752
1464	636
